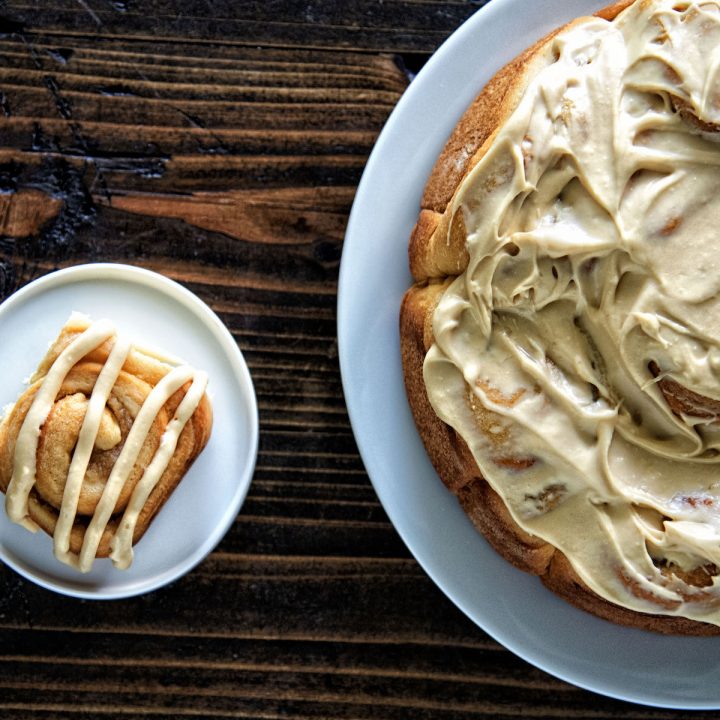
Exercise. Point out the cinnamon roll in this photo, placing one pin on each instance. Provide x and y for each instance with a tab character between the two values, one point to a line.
561	344
97	443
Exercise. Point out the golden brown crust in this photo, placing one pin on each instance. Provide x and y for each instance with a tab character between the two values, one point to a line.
140	373
433	263
564	582
480	123
448	451
481	120
430	256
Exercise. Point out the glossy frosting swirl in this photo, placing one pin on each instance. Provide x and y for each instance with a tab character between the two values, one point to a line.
592	231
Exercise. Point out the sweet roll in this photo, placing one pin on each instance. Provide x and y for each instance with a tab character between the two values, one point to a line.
99	440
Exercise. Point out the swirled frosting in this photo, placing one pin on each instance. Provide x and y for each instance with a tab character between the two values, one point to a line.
594	276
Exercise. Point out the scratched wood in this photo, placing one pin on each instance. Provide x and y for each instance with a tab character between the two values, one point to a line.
221	143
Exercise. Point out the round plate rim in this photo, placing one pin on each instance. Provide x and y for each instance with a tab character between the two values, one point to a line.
497	17
190	303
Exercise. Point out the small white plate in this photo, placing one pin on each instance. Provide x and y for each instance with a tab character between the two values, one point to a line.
511	606
160	314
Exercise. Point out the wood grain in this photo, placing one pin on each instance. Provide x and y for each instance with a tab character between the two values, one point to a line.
221	143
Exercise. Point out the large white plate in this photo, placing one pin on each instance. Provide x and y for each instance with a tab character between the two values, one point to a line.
160	314
511	606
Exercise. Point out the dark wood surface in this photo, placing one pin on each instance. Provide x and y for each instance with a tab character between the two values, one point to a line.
220	143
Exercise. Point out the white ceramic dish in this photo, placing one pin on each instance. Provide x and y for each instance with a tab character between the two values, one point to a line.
157	313
511	606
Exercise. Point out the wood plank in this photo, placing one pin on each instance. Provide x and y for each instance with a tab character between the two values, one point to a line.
394	26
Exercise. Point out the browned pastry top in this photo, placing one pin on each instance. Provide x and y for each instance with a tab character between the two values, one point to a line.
96	444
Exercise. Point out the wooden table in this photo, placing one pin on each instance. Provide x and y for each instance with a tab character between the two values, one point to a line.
220	143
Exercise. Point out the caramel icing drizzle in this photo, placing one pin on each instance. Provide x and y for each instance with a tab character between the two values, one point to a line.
25	467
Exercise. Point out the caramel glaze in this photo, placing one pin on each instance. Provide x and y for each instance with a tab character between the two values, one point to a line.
591	295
